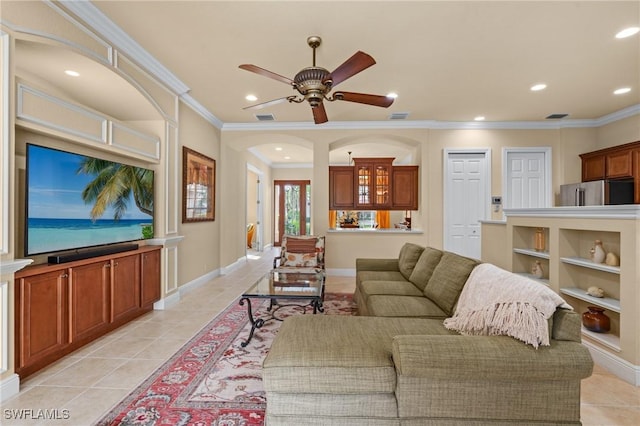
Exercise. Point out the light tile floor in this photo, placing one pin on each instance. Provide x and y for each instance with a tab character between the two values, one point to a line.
93	379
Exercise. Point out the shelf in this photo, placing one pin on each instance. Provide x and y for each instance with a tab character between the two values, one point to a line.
531	252
534	278
604	302
606	339
586	263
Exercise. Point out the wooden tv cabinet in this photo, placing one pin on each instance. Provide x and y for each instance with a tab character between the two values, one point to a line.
61	307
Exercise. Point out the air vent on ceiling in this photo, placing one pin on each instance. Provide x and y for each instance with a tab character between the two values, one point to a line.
556	116
265	117
398	116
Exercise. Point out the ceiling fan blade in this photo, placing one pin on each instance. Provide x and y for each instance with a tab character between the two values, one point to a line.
268	103
364	98
266	73
319	114
360	61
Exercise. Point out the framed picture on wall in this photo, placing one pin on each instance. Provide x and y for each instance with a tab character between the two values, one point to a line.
198	187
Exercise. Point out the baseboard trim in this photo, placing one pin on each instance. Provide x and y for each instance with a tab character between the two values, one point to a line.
9	387
225	270
175	297
623	369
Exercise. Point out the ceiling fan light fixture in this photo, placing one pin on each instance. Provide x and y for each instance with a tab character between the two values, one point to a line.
392	95
314	83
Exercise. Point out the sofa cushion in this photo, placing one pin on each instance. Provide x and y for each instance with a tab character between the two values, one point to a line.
425	266
403	306
337	354
447	280
409	255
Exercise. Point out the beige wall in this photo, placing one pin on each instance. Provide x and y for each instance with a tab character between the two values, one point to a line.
199	251
618	132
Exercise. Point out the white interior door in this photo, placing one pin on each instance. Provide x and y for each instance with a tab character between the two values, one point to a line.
467	199
527	177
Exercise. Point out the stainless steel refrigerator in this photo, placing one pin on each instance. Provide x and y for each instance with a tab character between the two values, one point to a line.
597	193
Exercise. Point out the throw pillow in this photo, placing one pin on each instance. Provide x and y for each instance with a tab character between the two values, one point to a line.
447	280
301	260
409	255
425	266
301	245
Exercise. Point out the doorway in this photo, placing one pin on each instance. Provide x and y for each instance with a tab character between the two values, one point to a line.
467	185
292	208
255	230
527	177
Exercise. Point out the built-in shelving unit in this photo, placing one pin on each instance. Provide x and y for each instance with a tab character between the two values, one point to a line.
570	234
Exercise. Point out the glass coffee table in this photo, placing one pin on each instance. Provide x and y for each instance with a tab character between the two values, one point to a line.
284	289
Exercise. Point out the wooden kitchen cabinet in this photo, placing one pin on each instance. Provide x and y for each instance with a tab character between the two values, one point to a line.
41	317
373	184
616	162
125	287
341	188
150	278
404	190
60	308
619	164
593	167
89	305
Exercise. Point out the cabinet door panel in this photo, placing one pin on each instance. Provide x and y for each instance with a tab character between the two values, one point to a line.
125	286
619	164
150	278
42	326
341	188
405	188
593	167
89	299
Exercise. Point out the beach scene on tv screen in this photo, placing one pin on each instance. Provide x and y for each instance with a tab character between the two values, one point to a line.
76	201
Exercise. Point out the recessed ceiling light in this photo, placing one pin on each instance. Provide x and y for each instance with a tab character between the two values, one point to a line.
622	91
628	32
538	87
251	98
392	95
287	158
278	148
72	73
479	118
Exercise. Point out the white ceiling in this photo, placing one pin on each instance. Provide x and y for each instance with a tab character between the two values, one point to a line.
448	61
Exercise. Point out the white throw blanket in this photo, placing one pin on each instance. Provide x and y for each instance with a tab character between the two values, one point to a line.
497	302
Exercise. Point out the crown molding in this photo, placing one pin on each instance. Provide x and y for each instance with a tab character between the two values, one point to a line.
439	125
98	21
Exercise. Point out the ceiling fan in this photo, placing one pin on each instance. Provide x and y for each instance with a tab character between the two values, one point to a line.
314	83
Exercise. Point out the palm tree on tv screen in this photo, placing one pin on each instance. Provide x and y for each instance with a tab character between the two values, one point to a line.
113	185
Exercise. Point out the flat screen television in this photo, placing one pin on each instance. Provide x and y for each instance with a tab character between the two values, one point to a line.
76	201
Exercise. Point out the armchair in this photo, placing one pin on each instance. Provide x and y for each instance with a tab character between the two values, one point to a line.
300	253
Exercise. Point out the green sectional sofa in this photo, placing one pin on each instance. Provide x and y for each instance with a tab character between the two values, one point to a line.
397	364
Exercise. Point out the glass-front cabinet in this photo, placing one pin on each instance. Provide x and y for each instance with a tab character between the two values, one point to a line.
373	176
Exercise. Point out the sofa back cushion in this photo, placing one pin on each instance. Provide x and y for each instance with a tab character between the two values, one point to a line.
447	280
425	266
409	255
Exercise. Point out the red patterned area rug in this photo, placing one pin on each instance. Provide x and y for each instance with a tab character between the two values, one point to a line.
213	380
